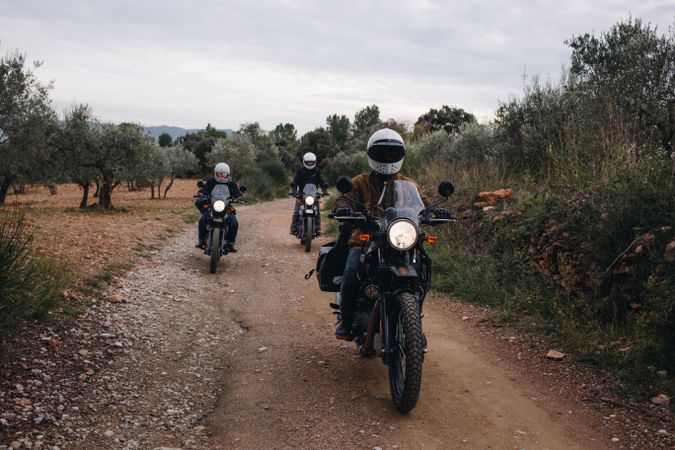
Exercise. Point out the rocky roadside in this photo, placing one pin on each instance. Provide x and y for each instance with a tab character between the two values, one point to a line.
633	424
139	369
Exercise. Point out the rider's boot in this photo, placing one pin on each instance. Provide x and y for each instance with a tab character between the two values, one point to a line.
343	329
230	247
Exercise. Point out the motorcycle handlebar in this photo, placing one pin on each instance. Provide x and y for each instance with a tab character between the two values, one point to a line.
318	195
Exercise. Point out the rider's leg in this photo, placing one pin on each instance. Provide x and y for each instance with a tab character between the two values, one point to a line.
232	231
317	222
348	291
296	215
201	229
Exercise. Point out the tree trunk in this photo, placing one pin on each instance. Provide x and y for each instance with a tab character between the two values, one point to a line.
159	190
105	196
4	187
98	188
53	190
152	190
168	186
85	194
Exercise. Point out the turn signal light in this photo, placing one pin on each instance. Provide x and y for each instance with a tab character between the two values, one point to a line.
432	239
206	205
364	238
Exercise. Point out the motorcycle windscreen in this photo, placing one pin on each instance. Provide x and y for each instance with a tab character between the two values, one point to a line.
220	192
400	199
309	189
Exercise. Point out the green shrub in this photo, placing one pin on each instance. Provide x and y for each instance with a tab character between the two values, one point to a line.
348	164
30	285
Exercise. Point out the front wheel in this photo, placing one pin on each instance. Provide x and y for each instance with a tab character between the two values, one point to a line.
309	229
405	363
215	250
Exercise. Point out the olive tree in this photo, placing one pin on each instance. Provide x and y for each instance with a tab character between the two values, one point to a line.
179	163
27	124
121	150
77	142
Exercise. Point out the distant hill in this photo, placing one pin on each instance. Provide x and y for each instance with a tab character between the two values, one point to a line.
176	132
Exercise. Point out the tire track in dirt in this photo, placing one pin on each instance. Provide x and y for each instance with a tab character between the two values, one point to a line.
290	384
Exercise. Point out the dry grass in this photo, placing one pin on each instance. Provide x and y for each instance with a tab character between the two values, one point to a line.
89	241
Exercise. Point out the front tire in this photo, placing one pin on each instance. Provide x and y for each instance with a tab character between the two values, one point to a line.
215	250
309	230
405	363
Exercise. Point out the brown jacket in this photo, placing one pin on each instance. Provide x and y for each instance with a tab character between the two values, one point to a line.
367	189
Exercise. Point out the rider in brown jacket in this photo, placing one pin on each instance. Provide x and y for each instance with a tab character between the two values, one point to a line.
386	151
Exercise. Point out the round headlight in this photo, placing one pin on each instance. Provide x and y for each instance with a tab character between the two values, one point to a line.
402	235
219	206
309	200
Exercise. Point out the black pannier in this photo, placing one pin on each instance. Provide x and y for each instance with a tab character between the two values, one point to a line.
331	264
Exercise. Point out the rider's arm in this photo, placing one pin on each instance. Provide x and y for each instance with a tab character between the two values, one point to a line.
234	189
355	194
296	180
322	181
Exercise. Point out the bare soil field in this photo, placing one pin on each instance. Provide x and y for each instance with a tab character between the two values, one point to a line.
90	241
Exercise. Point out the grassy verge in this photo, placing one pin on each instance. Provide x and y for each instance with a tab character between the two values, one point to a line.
591	270
31	285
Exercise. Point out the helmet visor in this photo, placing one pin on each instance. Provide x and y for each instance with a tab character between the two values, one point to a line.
386	153
310	164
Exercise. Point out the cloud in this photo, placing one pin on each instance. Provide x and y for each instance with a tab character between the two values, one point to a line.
225	62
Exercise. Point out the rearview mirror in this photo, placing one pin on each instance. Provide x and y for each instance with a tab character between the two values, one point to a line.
446	188
344	184
242	189
200	184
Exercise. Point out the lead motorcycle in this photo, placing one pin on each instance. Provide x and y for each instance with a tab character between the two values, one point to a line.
308	215
219	218
394	278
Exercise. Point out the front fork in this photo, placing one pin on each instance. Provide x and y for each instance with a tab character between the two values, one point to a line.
211	230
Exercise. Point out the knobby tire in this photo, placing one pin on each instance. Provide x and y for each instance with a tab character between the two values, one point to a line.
405	382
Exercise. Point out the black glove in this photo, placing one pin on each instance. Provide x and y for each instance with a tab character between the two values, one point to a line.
344	211
443	213
293	193
324	193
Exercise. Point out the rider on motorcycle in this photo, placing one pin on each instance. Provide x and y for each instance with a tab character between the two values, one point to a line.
310	173
386	151
221	174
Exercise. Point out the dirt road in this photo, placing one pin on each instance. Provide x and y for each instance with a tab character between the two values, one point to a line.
246	359
306	389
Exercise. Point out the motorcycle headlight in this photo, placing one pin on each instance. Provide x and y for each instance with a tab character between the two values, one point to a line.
402	235
309	200
219	206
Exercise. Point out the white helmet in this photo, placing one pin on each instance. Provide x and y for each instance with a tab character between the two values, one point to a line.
309	160
386	151
222	173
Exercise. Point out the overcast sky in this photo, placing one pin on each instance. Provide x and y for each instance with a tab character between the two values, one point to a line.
188	63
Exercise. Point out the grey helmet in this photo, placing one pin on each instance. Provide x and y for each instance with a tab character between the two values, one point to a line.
386	151
222	172
309	160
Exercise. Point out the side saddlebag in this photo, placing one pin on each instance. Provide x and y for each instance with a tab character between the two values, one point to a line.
331	264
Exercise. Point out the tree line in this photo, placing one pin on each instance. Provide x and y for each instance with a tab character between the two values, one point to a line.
39	145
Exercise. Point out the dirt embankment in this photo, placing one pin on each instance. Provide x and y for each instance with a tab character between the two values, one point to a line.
245	358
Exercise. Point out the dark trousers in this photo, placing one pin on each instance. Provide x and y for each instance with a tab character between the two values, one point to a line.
296	216
231	235
349	285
